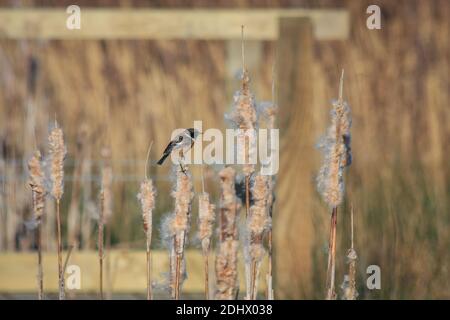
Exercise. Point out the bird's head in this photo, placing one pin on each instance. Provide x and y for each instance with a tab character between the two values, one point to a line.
194	133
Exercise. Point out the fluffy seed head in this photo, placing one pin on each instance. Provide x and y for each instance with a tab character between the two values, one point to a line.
57	151
244	116
335	146
226	270
228	206
36	182
183	196
147	198
206	221
258	220
226	258
349	284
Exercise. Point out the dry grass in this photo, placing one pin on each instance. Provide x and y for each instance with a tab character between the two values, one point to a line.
146	196
36	183
244	117
335	146
57	153
228	246
179	227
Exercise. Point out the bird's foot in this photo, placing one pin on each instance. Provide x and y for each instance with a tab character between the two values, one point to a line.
183	169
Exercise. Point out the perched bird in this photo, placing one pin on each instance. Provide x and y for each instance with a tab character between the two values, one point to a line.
184	141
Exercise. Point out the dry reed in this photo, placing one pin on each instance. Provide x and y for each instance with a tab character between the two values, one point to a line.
146	196
244	117
178	227
101	227
36	182
105	209
57	151
206	216
335	146
227	256
258	223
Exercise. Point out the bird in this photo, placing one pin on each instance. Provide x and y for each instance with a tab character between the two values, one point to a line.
184	141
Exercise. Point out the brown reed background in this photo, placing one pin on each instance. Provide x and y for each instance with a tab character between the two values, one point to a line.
126	93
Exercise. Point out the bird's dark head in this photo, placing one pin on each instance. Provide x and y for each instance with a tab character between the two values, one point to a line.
193	133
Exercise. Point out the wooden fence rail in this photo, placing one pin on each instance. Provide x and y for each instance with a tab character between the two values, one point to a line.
127	271
206	24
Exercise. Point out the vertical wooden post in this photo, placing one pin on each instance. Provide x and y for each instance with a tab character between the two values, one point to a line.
295	184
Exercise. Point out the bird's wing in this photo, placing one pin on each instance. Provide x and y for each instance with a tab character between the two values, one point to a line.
169	147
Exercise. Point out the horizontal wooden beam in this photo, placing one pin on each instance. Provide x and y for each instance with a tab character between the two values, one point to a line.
205	24
127	271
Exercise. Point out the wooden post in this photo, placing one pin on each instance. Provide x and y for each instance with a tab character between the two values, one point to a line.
295	187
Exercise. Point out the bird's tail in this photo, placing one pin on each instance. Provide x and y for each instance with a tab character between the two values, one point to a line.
161	161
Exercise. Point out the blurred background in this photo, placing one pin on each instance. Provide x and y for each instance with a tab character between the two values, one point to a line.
126	93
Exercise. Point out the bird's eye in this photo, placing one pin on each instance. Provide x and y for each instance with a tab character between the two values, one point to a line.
180	138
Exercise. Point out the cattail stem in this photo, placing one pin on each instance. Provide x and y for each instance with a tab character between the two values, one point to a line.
107	253
351	225
254	272
59	245
40	275
149	263
206	262
331	294
177	275
269	294
249	273
100	246
100	259
177	279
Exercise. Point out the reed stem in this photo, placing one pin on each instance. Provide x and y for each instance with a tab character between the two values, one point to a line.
100	246
331	293
206	259
269	293
59	244
253	280
149	263
40	274
178	276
